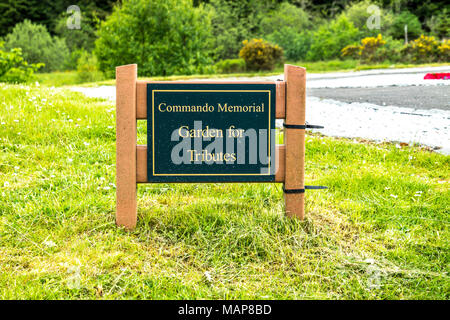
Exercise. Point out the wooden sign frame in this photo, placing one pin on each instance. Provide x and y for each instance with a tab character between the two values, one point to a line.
131	159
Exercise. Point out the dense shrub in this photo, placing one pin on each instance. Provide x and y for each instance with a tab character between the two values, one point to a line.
285	16
230	66
330	38
391	51
288	27
72	61
444	51
424	49
234	21
369	47
77	40
87	70
162	36
13	68
83	38
440	24
375	49
38	45
397	29
260	54
295	44
351	51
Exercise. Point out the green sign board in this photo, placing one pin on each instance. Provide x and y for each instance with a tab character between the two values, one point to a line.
210	132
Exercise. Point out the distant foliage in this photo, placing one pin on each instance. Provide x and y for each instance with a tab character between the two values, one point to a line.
77	40
295	44
260	54
331	38
200	36
360	13
38	45
13	68
288	26
439	24
72	61
83	38
287	16
233	21
231	66
47	12
422	9
397	30
87	69
163	37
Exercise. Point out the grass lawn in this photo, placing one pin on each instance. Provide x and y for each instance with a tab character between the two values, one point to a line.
71	78
380	231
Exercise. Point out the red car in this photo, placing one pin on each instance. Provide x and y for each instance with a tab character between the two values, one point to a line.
438	76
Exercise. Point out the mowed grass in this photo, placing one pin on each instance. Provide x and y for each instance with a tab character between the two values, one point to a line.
379	232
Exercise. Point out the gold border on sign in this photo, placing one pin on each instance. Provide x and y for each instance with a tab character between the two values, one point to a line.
202	174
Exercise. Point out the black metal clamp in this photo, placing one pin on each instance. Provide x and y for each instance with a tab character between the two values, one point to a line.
302	126
303	190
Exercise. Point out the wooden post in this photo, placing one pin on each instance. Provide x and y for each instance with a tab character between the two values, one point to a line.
126	135
295	78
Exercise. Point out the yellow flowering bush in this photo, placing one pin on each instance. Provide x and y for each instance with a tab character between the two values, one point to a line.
424	49
368	51
351	51
260	54
444	51
368	48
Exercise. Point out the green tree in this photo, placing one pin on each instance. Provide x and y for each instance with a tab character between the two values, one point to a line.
295	44
162	36
286	15
439	24
38	45
235	21
288	26
47	12
423	9
360	13
83	38
331	38
13	68
397	30
77	40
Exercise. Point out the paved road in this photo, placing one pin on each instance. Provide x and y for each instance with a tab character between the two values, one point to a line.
393	105
386	87
416	97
